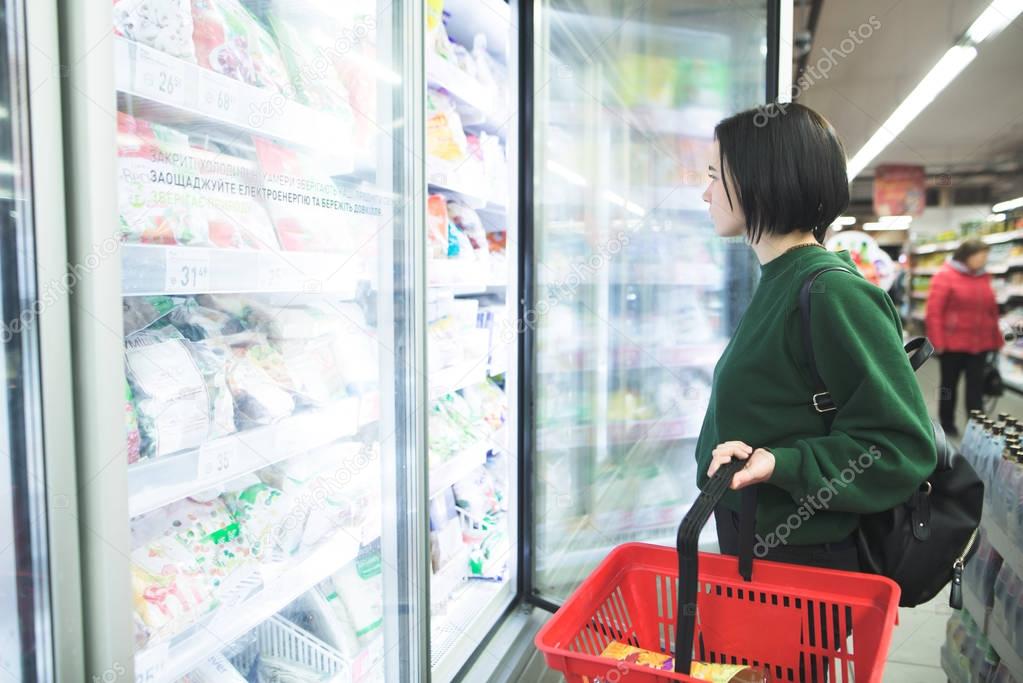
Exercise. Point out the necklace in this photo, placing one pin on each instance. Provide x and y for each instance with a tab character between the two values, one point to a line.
801	246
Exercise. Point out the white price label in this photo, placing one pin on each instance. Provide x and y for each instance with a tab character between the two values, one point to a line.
273	272
216	458
187	270
151	662
220	97
159	76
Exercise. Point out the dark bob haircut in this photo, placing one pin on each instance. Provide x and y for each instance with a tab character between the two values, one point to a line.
968	248
786	166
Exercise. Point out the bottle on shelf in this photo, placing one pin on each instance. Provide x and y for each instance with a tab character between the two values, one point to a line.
1014	516
987	662
1000	485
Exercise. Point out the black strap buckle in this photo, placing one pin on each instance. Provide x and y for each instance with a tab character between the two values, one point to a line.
823	403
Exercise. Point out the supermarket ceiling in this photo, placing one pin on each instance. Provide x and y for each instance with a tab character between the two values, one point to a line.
975	124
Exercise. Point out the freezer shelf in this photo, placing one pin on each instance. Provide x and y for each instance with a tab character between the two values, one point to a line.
209	96
455	377
172	659
153	484
156	269
454	470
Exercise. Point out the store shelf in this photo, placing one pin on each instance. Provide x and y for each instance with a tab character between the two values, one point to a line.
1000	541
454	470
999	237
935	247
952	245
652	431
1013	662
972	604
456	633
677	121
440	73
201	96
458	181
462	276
281	584
157	269
155	483
565	437
455	377
925	271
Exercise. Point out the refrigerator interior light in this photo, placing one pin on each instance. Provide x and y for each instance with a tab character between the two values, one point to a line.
944	72
1009	205
566	173
992	20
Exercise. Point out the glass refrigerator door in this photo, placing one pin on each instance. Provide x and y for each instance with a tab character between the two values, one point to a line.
260	166
635	295
471	271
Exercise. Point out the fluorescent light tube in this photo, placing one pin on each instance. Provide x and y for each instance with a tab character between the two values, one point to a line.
886	226
625	204
566	174
1007	206
992	20
845	220
995	218
947	68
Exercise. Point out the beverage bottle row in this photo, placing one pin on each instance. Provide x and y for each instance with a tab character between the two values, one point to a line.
1007	607
995	449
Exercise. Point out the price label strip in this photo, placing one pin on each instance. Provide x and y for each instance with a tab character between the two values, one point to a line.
216	458
187	270
159	77
220	97
151	662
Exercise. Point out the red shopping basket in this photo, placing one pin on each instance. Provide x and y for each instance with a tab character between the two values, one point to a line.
800	623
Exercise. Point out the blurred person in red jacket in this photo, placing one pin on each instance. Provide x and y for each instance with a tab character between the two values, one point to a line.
962	323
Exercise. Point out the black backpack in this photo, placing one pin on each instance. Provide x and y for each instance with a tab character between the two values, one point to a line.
923	543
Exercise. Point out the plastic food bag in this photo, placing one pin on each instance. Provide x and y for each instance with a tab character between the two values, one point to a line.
360	585
171	397
258	380
230	41
272	521
468	221
197	322
437	226
445	137
165	25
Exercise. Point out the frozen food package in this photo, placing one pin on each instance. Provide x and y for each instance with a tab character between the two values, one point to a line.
445	137
313	369
468	221
328	620
212	358
258	380
215	669
303	322
232	42
360	585
197	322
171	397
164	25
437	226
183	556
172	192
133	439
139	312
282	670
271	520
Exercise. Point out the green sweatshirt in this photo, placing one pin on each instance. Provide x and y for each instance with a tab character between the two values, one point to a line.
880	446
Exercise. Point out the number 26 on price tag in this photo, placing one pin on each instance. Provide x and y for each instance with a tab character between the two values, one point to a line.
187	270
216	458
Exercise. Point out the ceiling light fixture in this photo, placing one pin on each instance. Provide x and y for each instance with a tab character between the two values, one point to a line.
844	220
998	15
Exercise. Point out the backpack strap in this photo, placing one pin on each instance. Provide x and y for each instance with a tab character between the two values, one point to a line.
822	402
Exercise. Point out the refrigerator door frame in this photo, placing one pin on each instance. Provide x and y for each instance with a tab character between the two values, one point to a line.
89	110
778	65
50	486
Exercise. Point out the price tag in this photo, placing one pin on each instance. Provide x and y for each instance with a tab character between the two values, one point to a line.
273	272
159	76
216	458
151	662
219	96
187	270
290	438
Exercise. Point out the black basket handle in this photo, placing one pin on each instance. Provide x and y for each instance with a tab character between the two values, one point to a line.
687	543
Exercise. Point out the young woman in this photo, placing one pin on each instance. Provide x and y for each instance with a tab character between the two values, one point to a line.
778	179
962	323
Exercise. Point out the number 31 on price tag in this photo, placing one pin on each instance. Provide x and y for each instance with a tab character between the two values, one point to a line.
216	458
187	270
